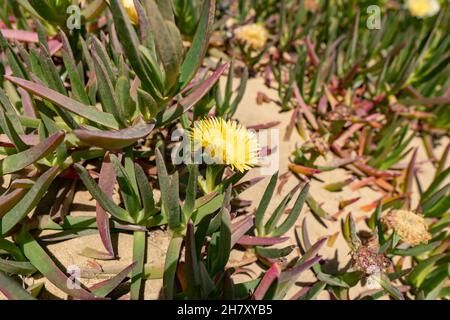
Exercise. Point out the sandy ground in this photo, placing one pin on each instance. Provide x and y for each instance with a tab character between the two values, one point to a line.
249	113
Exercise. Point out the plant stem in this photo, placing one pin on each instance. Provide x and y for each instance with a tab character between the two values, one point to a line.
139	249
213	174
170	266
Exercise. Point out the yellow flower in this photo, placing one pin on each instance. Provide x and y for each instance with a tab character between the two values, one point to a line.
226	142
131	10
253	35
409	226
423	8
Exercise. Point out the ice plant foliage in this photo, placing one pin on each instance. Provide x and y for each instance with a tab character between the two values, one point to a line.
92	107
423	8
227	142
410	226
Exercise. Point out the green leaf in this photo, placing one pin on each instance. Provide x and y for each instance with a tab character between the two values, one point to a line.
196	53
191	192
13	290
274	253
169	192
317	209
167	41
192	268
88	112
259	215
9	129
29	201
106	203
393	291
146	192
170	266
40	259
102	289
293	215
23	159
139	250
422	270
107	92
130	195
278	212
129	40
115	139
17	267
417	250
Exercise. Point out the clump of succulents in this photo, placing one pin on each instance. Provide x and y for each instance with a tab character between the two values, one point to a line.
95	105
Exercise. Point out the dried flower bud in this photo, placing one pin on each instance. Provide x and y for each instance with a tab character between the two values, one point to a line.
423	8
252	35
409	226
369	261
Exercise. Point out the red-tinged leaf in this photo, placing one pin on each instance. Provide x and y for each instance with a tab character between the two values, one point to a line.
409	179
383	184
188	102
303	170
385	200
20	35
425	101
261	241
102	289
348	134
305	109
28	139
114	139
264	126
311	52
371	171
199	92
7	201
23	159
95	254
192	268
271	275
241	187
239	229
362	183
346	202
12	289
88	112
305	237
106	184
292	123
29	201
54	46
63	201
41	260
313	250
317	209
293	273
338	186
27	103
